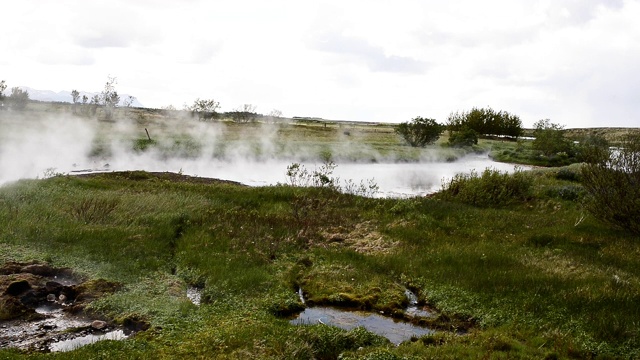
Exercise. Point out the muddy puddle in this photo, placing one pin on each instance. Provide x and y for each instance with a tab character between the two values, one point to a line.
43	309
395	330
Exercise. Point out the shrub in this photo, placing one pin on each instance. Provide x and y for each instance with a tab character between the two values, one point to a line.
567	174
613	184
420	131
464	137
492	188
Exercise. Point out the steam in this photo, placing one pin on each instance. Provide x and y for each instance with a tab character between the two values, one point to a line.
36	146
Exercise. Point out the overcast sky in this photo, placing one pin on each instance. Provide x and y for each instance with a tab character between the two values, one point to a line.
576	62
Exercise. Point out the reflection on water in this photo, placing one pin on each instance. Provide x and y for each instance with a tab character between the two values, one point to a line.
395	331
393	179
72	344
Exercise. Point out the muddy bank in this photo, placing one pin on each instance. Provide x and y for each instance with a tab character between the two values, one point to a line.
42	306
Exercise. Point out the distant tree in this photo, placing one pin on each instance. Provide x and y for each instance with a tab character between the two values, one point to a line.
486	122
204	108
18	98
75	95
109	97
613	184
95	101
244	113
274	115
3	87
84	99
129	101
420	131
550	140
593	149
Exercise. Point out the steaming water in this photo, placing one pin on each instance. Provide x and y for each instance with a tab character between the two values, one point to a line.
32	148
393	179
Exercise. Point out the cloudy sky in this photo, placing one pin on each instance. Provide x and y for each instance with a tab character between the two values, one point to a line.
576	62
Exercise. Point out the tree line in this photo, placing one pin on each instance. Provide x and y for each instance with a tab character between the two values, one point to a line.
17	100
464	127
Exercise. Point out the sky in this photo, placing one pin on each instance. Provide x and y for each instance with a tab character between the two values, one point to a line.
575	62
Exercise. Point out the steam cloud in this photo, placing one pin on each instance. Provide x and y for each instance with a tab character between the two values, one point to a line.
39	146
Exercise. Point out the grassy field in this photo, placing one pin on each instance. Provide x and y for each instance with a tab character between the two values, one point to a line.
531	279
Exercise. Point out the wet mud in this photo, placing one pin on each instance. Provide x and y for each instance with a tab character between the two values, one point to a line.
42	308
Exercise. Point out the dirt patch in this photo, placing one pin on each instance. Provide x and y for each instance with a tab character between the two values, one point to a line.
363	238
41	305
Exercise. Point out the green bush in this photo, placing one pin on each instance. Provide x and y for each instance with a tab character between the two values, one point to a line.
420	131
613	184
464	137
492	188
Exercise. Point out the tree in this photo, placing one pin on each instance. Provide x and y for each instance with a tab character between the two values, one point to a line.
463	137
420	131
550	140
486	122
244	113
613	184
204	108
109	96
95	101
3	87
18	98
75	95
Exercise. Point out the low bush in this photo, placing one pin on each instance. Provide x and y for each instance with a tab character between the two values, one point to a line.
613	184
492	188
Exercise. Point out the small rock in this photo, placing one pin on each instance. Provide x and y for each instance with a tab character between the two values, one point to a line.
62	298
51	297
17	287
98	324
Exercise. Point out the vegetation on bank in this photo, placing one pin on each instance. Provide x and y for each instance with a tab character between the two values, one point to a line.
534	278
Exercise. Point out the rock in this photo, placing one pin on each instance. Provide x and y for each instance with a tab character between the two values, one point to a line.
51	297
62	298
98	324
38	269
17	287
53	286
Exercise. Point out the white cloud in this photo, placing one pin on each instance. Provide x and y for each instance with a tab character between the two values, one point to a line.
569	60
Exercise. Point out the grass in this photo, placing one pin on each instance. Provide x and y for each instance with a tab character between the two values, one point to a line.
523	280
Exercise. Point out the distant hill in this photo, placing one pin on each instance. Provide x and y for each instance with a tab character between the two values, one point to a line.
65	96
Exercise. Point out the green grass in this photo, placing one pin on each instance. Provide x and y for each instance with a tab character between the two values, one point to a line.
524	280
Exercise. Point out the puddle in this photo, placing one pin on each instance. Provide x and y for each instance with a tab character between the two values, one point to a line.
72	344
395	331
195	295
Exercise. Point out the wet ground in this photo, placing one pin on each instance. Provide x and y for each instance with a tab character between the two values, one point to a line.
42	309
